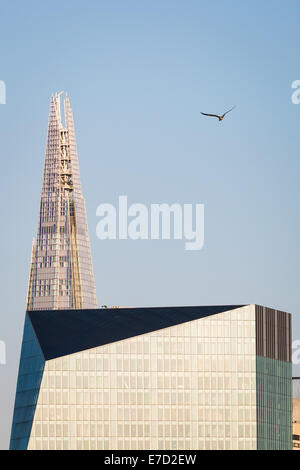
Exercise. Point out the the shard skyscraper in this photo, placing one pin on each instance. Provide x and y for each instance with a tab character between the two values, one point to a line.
61	272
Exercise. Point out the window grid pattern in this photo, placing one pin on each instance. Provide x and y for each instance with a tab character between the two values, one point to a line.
190	386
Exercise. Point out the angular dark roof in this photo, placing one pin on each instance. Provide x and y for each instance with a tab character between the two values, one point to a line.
63	332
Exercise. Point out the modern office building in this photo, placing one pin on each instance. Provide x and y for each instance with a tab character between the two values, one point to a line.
296	413
61	273
155	378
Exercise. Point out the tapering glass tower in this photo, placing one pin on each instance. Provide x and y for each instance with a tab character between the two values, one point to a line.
61	272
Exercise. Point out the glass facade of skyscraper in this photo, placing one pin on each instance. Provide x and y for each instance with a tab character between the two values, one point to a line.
61	271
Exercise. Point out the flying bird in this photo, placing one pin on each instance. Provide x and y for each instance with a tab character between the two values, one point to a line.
217	116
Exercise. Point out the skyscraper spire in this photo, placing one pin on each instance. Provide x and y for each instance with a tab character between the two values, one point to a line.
61	272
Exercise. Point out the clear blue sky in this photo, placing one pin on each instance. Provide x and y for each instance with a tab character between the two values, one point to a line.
138	73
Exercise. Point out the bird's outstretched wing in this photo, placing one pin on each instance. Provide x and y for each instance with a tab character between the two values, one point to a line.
212	115
229	110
